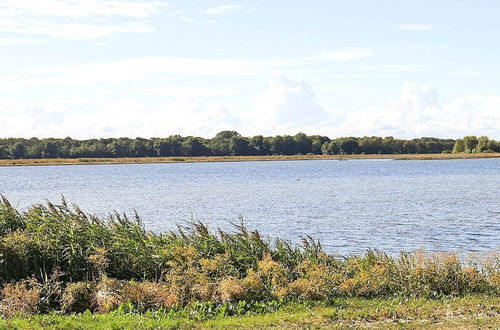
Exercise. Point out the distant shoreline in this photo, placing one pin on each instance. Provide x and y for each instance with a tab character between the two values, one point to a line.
206	159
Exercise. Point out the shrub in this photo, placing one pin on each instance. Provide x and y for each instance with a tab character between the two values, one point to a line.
77	297
22	298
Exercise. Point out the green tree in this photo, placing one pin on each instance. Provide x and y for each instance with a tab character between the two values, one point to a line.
333	148
494	145
408	147
17	150
316	145
470	143
277	146
348	145
258	145
482	144
459	146
193	146
302	144
239	146
220	144
49	149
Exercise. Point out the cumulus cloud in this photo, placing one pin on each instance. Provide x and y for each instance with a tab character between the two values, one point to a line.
28	119
287	106
418	111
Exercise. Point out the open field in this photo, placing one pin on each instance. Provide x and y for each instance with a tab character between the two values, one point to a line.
468	312
153	160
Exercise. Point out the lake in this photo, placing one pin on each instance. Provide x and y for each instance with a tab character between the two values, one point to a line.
350	206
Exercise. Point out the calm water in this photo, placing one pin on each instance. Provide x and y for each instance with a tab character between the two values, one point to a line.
349	205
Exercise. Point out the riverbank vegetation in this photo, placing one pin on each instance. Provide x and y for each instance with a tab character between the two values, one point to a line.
56	258
231	143
199	159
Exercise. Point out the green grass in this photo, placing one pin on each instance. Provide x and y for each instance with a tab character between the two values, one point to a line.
413	313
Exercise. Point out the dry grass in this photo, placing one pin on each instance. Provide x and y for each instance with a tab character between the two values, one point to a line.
22	298
153	160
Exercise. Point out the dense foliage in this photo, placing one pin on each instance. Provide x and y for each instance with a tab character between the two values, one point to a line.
53	257
232	143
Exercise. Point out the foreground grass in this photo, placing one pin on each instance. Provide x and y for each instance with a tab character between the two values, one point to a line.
152	160
62	268
472	311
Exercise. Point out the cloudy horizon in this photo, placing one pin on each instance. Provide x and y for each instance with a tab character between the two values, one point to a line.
94	68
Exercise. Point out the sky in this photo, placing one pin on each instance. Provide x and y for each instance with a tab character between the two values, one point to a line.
112	68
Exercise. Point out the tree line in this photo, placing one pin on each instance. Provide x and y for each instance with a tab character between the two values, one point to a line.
227	143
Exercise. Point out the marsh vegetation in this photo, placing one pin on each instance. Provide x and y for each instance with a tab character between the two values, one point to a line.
58	258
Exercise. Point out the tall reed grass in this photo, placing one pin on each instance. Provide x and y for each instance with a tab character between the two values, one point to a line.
56	257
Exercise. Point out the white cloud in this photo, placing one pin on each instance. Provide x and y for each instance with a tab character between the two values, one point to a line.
187	19
138	69
81	8
143	68
287	105
71	30
114	119
18	41
394	68
224	9
417	27
189	92
346	54
156	67
418	111
57	18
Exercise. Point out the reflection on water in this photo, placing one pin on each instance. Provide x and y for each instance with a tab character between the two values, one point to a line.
349	205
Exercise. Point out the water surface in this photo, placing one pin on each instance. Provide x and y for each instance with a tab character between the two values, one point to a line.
349	205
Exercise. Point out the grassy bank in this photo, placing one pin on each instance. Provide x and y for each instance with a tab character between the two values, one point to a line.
476	311
152	160
58	259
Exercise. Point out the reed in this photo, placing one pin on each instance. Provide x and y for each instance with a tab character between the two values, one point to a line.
57	257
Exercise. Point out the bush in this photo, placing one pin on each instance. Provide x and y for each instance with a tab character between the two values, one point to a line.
22	298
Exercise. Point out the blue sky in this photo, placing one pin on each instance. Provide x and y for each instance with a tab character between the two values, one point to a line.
108	68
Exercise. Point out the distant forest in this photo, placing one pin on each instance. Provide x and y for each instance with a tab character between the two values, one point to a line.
228	143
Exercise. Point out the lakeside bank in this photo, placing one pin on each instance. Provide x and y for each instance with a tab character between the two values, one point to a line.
58	259
205	159
467	312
